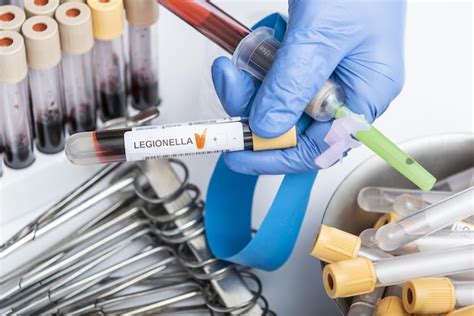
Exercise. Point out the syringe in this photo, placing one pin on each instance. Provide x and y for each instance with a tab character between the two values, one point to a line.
361	275
426	221
254	52
436	295
165	141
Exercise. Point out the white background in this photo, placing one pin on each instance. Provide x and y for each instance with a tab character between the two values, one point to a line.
437	98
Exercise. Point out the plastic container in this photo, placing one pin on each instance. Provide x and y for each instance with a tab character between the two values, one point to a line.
432	152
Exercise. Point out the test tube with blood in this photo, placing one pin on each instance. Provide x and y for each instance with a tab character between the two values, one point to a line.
142	17
77	40
44	55
14	103
109	58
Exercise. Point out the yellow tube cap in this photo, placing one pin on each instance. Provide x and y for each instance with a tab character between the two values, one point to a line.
387	218
107	18
333	245
349	277
286	140
429	295
391	306
465	311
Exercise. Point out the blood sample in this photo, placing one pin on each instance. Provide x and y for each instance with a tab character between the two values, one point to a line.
14	102
77	40
40	7
156	142
142	16
44	54
109	60
11	18
211	21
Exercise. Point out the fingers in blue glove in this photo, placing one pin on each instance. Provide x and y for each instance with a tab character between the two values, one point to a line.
292	160
234	87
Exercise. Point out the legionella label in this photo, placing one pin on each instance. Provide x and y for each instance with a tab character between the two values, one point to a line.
167	141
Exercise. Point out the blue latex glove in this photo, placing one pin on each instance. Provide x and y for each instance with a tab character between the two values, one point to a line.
359	43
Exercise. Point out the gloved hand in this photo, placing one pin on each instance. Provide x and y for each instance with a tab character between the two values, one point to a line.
359	43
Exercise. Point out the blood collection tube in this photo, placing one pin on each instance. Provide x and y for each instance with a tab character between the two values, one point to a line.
109	60
436	295
426	221
40	7
44	55
361	275
457	182
333	245
14	102
77	40
254	52
156	142
211	21
12	18
381	200
391	306
142	17
442	239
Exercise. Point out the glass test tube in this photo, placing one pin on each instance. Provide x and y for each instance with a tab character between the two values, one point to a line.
436	295
360	275
142	17
40	7
381	200
44	56
157	142
77	40
457	182
109	58
255	53
14	102
209	20
426	221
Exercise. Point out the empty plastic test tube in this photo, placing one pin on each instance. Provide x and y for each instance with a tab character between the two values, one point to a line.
457	182
164	141
109	58
40	7
442	239
44	55
436	295
14	102
381	199
333	245
365	304
77	40
12	18
361	275
426	221
255	52
142	17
